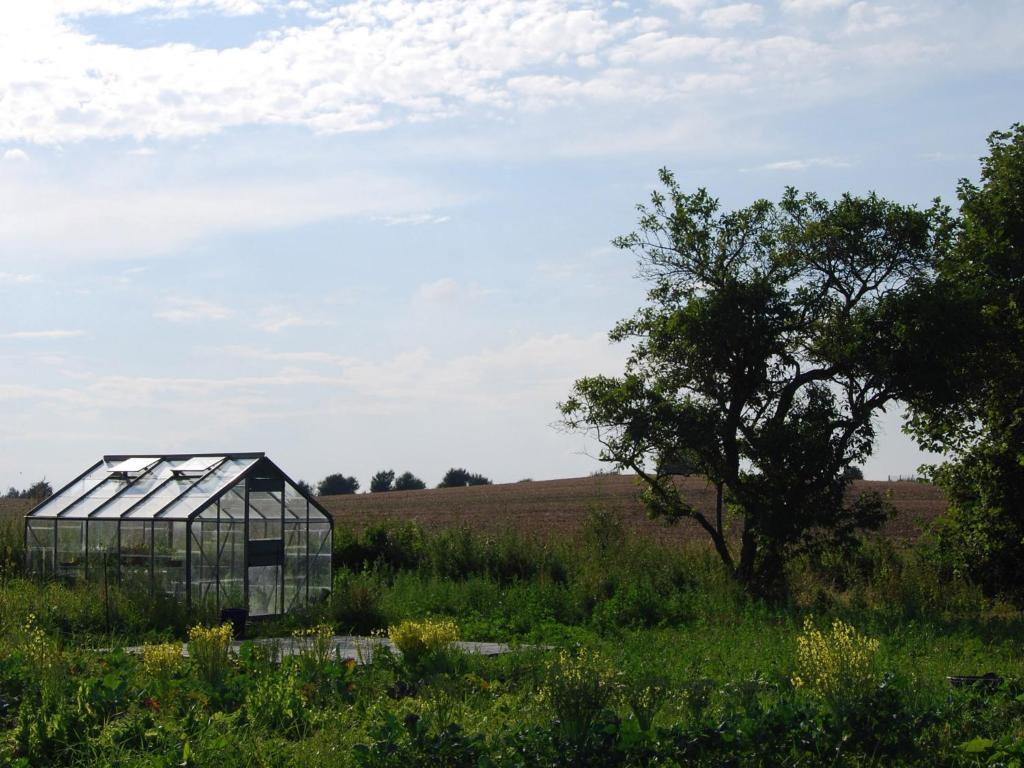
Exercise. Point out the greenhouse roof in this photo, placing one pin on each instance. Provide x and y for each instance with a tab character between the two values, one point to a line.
147	487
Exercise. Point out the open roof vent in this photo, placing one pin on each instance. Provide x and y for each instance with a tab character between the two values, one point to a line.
131	467
196	466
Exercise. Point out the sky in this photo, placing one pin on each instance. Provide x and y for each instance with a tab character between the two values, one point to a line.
376	234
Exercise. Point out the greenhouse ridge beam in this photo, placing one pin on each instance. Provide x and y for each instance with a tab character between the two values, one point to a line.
183	456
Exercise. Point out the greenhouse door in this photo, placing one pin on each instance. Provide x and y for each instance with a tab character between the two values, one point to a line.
266	559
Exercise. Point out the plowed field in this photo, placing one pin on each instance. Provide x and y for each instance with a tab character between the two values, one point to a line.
557	508
553	508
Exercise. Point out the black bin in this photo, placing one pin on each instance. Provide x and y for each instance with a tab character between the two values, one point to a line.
236	617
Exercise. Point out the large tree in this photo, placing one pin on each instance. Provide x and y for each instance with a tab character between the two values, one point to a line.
383	481
761	358
337	485
407	481
456	477
968	401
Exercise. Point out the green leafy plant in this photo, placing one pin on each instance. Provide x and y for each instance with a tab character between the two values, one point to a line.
578	685
208	650
838	666
420	641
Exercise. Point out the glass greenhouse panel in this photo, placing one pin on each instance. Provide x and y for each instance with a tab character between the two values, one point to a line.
160	497
39	547
95	498
319	560
203	565
231	564
169	557
232	503
136	553
71	549
138	490
264	590
265	511
295	561
101	552
295	504
68	496
200	490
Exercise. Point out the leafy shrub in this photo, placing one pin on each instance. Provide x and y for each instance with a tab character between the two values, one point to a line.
578	685
275	703
420	641
838	666
208	650
355	600
162	661
315	650
411	742
12	549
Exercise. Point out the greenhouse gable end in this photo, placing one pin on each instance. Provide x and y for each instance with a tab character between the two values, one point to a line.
225	530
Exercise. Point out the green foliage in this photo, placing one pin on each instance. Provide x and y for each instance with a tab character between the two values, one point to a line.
839	666
423	643
337	485
759	361
38	491
275	703
208	651
966	380
706	683
407	481
457	478
383	481
579	684
12	549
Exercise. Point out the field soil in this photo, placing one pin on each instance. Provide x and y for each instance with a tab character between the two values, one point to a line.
558	508
548	509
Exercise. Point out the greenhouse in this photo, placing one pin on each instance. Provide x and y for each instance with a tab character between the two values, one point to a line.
225	531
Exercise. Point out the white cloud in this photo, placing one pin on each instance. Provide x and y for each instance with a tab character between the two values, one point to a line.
871	17
276	319
75	8
441	291
367	66
11	278
127	220
16	156
448	290
183	310
50	334
804	164
415	219
729	16
534	372
686	8
811	6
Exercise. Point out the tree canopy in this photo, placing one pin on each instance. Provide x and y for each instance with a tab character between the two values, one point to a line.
407	481
457	478
337	485
768	343
39	490
383	481
967	400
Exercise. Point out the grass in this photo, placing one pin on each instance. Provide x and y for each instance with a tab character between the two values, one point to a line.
680	666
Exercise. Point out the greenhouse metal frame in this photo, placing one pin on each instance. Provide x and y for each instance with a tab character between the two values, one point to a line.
228	530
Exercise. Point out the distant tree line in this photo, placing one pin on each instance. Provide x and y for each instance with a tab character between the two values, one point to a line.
386	480
37	491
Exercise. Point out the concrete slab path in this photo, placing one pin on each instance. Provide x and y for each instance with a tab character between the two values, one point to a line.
357	647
